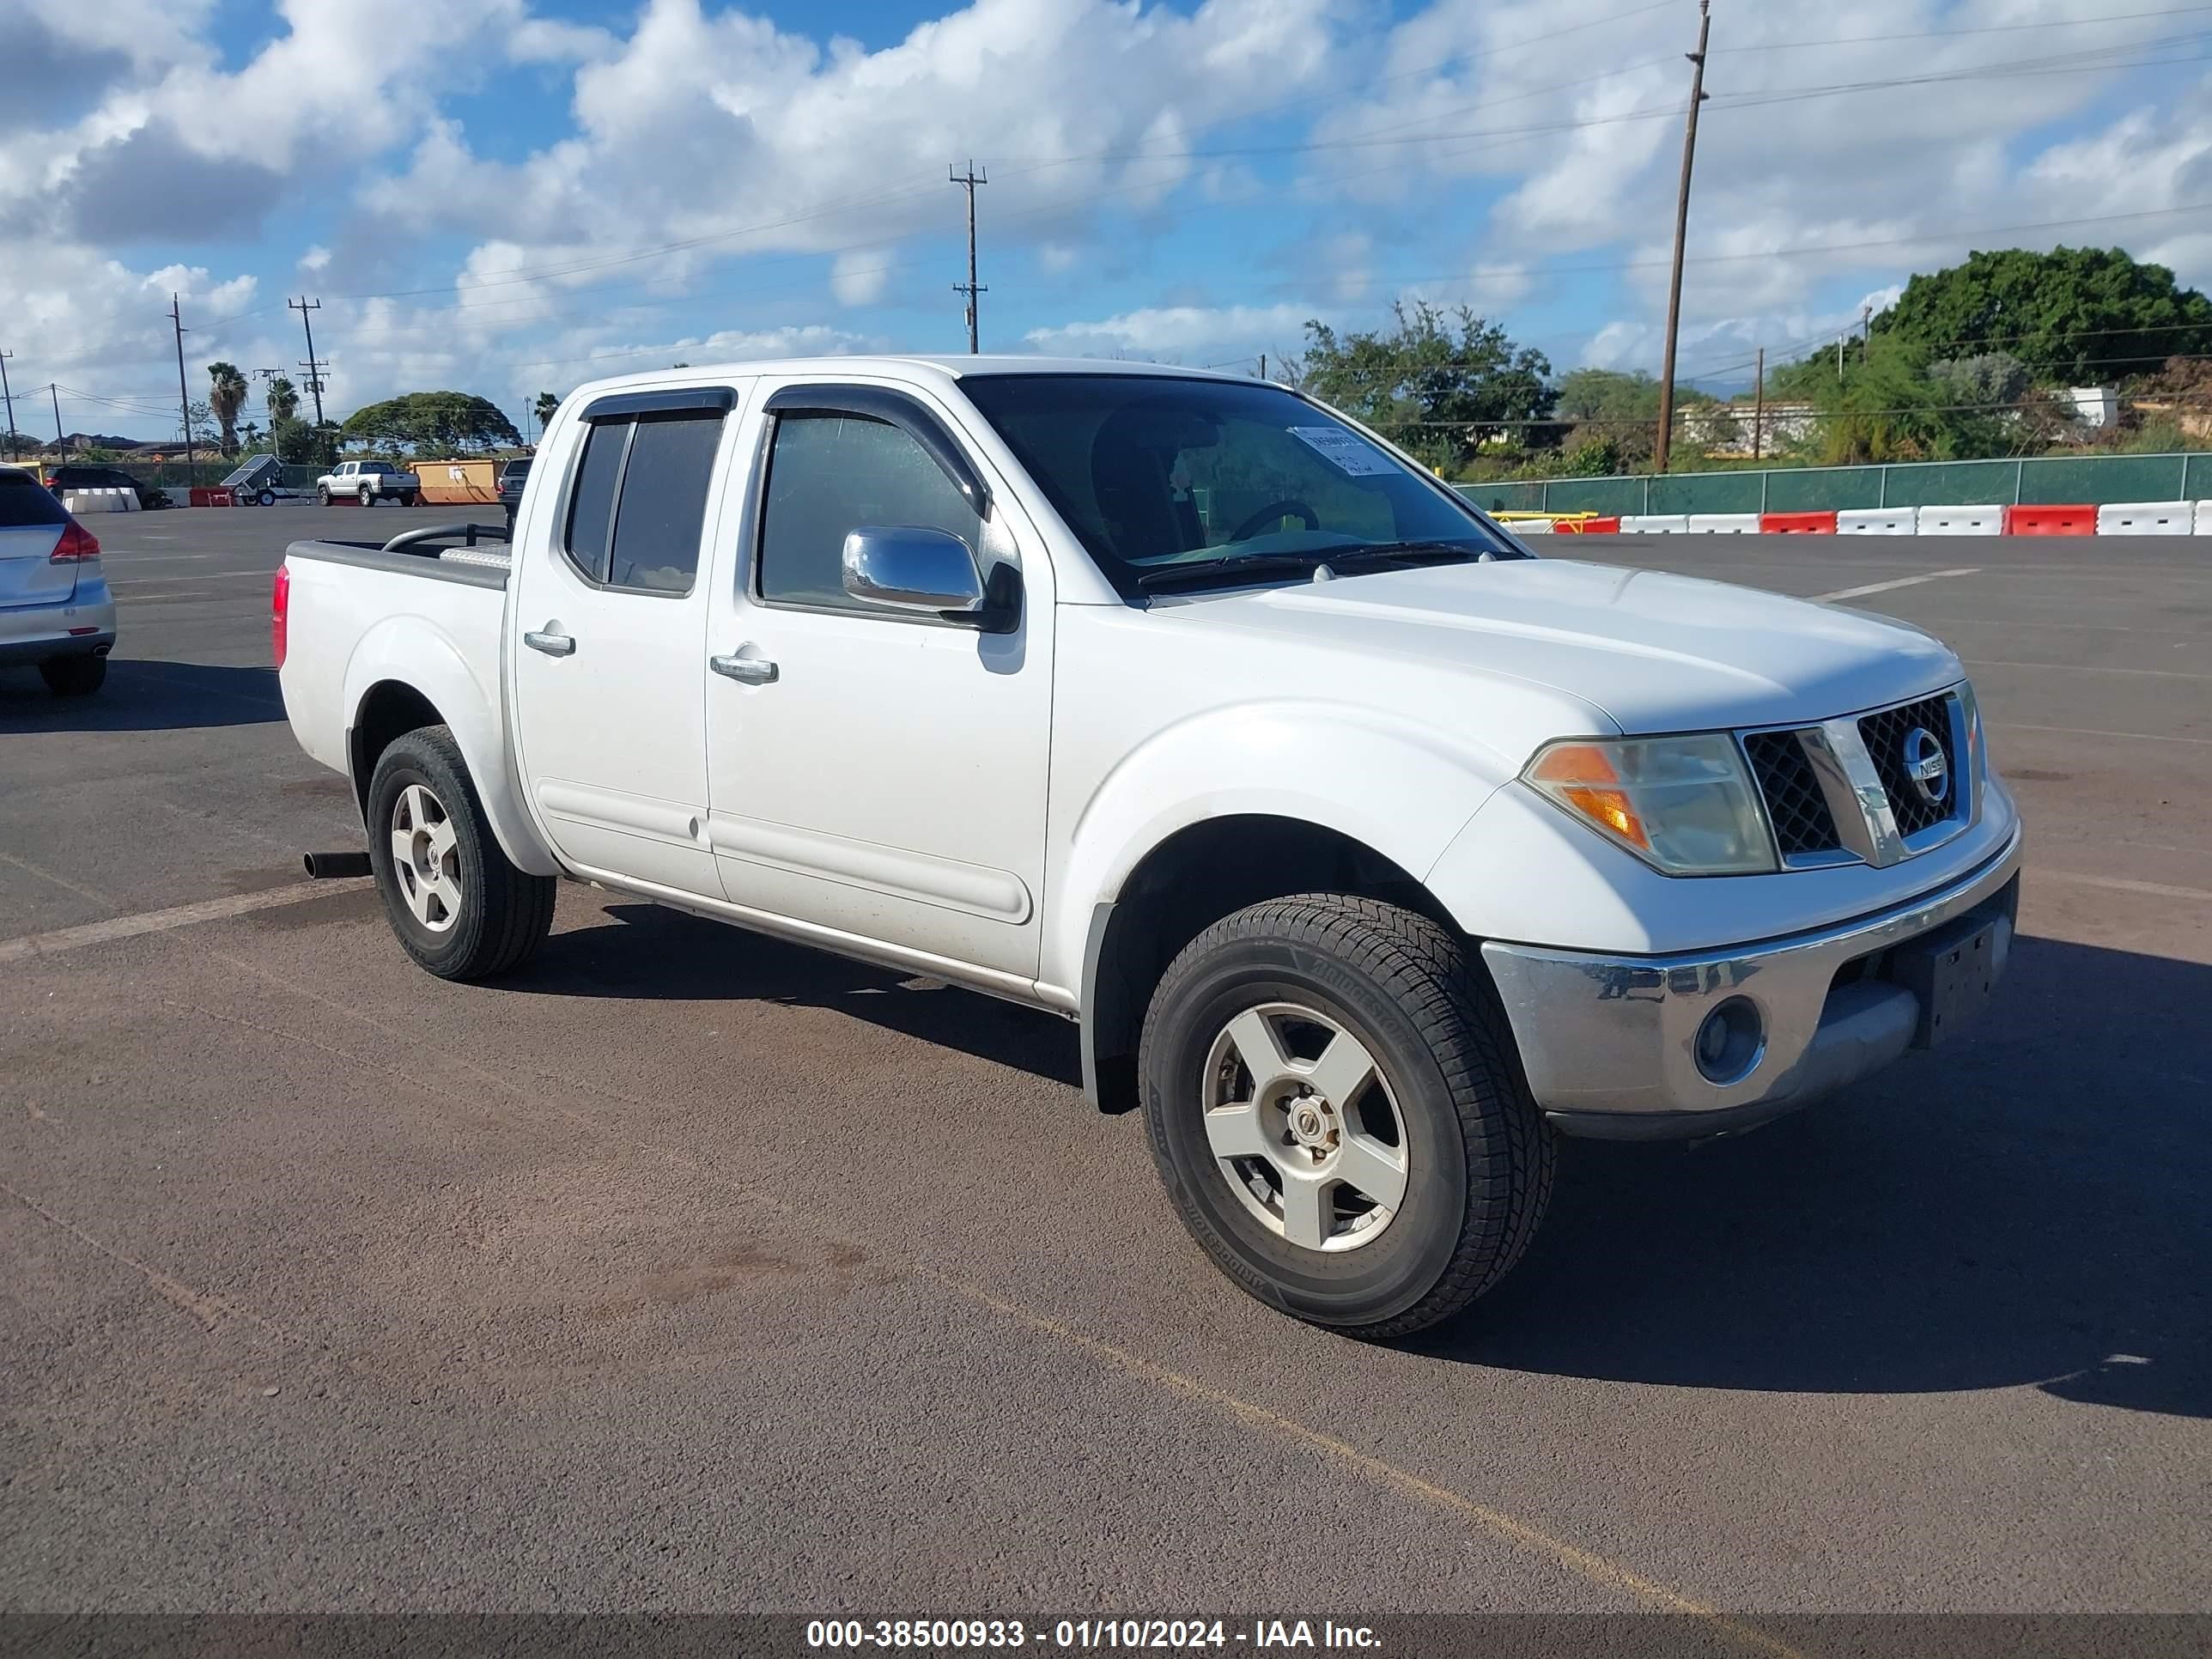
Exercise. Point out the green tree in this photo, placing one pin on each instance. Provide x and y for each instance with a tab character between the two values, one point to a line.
427	423
544	408
226	396
1436	391
2079	315
302	443
199	424
283	400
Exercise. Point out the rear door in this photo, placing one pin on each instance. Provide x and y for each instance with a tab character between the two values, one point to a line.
610	671
31	523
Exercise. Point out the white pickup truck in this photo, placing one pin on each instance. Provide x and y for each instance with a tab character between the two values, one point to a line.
368	482
1370	850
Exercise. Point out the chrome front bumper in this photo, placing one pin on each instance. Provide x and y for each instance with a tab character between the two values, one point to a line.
1609	1043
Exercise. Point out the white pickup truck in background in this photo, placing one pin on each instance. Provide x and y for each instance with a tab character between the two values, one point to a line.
1370	851
368	482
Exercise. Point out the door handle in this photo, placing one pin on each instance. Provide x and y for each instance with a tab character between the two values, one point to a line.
553	645
746	671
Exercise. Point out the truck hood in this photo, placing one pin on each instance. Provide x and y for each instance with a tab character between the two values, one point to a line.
1651	650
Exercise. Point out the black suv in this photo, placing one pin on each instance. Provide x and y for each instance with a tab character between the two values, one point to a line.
511	479
66	477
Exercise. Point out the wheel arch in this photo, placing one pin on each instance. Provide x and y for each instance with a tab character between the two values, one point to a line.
1201	872
403	676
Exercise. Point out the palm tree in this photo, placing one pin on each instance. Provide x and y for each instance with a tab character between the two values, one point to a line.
283	400
546	404
226	398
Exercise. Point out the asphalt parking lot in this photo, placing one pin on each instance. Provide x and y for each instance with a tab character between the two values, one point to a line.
689	1270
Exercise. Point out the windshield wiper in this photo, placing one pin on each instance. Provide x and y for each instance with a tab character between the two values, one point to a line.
1235	568
1406	552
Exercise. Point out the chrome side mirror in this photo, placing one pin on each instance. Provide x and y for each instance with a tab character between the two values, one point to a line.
913	568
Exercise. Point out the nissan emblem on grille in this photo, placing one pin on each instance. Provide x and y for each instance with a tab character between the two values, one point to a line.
1925	765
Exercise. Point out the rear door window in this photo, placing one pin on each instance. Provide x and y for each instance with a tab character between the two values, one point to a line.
639	505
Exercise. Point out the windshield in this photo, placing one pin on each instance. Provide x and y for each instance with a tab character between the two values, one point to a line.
1160	474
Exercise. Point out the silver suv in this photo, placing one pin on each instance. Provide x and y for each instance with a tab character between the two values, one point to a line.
56	610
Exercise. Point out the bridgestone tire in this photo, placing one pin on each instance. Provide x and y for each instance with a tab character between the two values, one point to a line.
74	677
1479	1155
504	913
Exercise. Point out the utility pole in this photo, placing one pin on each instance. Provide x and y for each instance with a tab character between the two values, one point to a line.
61	444
303	305
1758	405
7	392
1263	365
184	392
1866	327
972	288
1839	356
1681	233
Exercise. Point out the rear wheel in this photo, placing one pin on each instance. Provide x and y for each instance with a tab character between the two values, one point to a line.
408	500
460	909
74	677
367	496
1333	1101
267	498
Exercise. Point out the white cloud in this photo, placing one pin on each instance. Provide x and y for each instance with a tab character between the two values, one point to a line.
1168	330
857	276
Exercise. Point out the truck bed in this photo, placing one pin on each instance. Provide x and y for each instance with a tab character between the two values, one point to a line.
430	616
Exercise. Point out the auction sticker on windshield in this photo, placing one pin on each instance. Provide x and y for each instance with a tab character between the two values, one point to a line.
1347	452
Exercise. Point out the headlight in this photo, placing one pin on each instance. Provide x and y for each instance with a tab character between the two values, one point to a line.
1685	806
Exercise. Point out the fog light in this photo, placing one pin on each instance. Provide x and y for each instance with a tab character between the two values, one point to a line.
1730	1043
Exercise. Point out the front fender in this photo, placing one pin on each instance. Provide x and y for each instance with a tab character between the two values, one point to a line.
1402	789
417	652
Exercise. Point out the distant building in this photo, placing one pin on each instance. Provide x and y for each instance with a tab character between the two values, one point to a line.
2095	406
1726	429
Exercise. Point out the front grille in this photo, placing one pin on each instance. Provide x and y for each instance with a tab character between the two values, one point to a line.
1803	822
1885	735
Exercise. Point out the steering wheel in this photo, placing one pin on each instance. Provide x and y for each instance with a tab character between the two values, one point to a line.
1272	511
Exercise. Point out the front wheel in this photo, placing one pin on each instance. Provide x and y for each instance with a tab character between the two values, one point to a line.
323	494
1334	1101
460	909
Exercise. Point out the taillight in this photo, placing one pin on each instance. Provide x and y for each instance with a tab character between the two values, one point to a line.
78	544
280	602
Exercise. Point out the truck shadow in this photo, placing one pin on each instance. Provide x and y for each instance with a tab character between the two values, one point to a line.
143	697
2030	1208
659	953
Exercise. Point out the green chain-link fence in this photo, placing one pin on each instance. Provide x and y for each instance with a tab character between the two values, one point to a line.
2093	479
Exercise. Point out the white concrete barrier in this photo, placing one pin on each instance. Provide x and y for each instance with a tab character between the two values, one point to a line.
2147	519
1655	524
99	501
1961	521
1877	521
1724	524
2204	517
1529	526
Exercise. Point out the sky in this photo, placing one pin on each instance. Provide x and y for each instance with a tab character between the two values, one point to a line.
511	197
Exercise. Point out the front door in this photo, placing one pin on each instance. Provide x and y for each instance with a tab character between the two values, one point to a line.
612	599
875	773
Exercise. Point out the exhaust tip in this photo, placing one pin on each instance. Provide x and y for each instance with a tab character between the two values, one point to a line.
330	866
